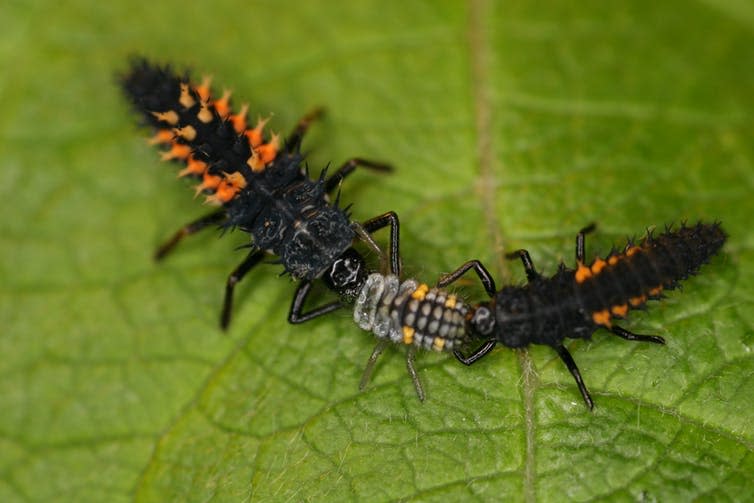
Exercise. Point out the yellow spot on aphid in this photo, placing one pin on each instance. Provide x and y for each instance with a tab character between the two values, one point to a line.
654	292
637	301
408	335
186	100
170	117
620	311
438	343
633	251
420	292
177	151
598	265
602	318
583	273
450	303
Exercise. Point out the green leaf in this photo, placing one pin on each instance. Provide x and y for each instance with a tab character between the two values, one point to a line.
510	125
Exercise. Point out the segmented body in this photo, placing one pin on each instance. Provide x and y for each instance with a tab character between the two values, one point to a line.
264	190
573	303
576	302
410	313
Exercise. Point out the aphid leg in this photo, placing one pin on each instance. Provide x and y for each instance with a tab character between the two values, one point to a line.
568	360
477	354
216	217
367	228
348	167
376	352
296	314
580	247
237	275
484	276
630	336
410	357
293	142
531	272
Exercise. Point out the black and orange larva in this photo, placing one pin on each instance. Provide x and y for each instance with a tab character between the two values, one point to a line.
574	303
261	185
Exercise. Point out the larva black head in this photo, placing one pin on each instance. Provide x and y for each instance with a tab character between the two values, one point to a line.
347	274
482	321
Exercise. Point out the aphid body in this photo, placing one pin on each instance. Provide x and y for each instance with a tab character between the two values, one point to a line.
409	313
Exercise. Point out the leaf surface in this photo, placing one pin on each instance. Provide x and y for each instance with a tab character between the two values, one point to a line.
510	125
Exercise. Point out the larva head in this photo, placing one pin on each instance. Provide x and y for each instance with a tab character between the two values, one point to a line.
482	321
347	274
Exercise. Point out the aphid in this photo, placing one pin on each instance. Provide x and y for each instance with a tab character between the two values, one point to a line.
575	302
406	312
261	186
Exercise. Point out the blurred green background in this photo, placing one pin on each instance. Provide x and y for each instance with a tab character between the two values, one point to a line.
510	124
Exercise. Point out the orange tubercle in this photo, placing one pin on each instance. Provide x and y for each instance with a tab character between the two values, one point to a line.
203	89
188	133
583	273
177	151
239	120
602	318
654	292
193	167
170	116
222	105
186	100
637	301
162	136
209	182
598	265
204	114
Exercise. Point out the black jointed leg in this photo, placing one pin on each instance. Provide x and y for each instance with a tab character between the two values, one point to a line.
477	354
348	167
630	336
237	275
390	218
215	218
580	247
293	142
296	314
376	352
574	370
531	271
484	276
410	357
